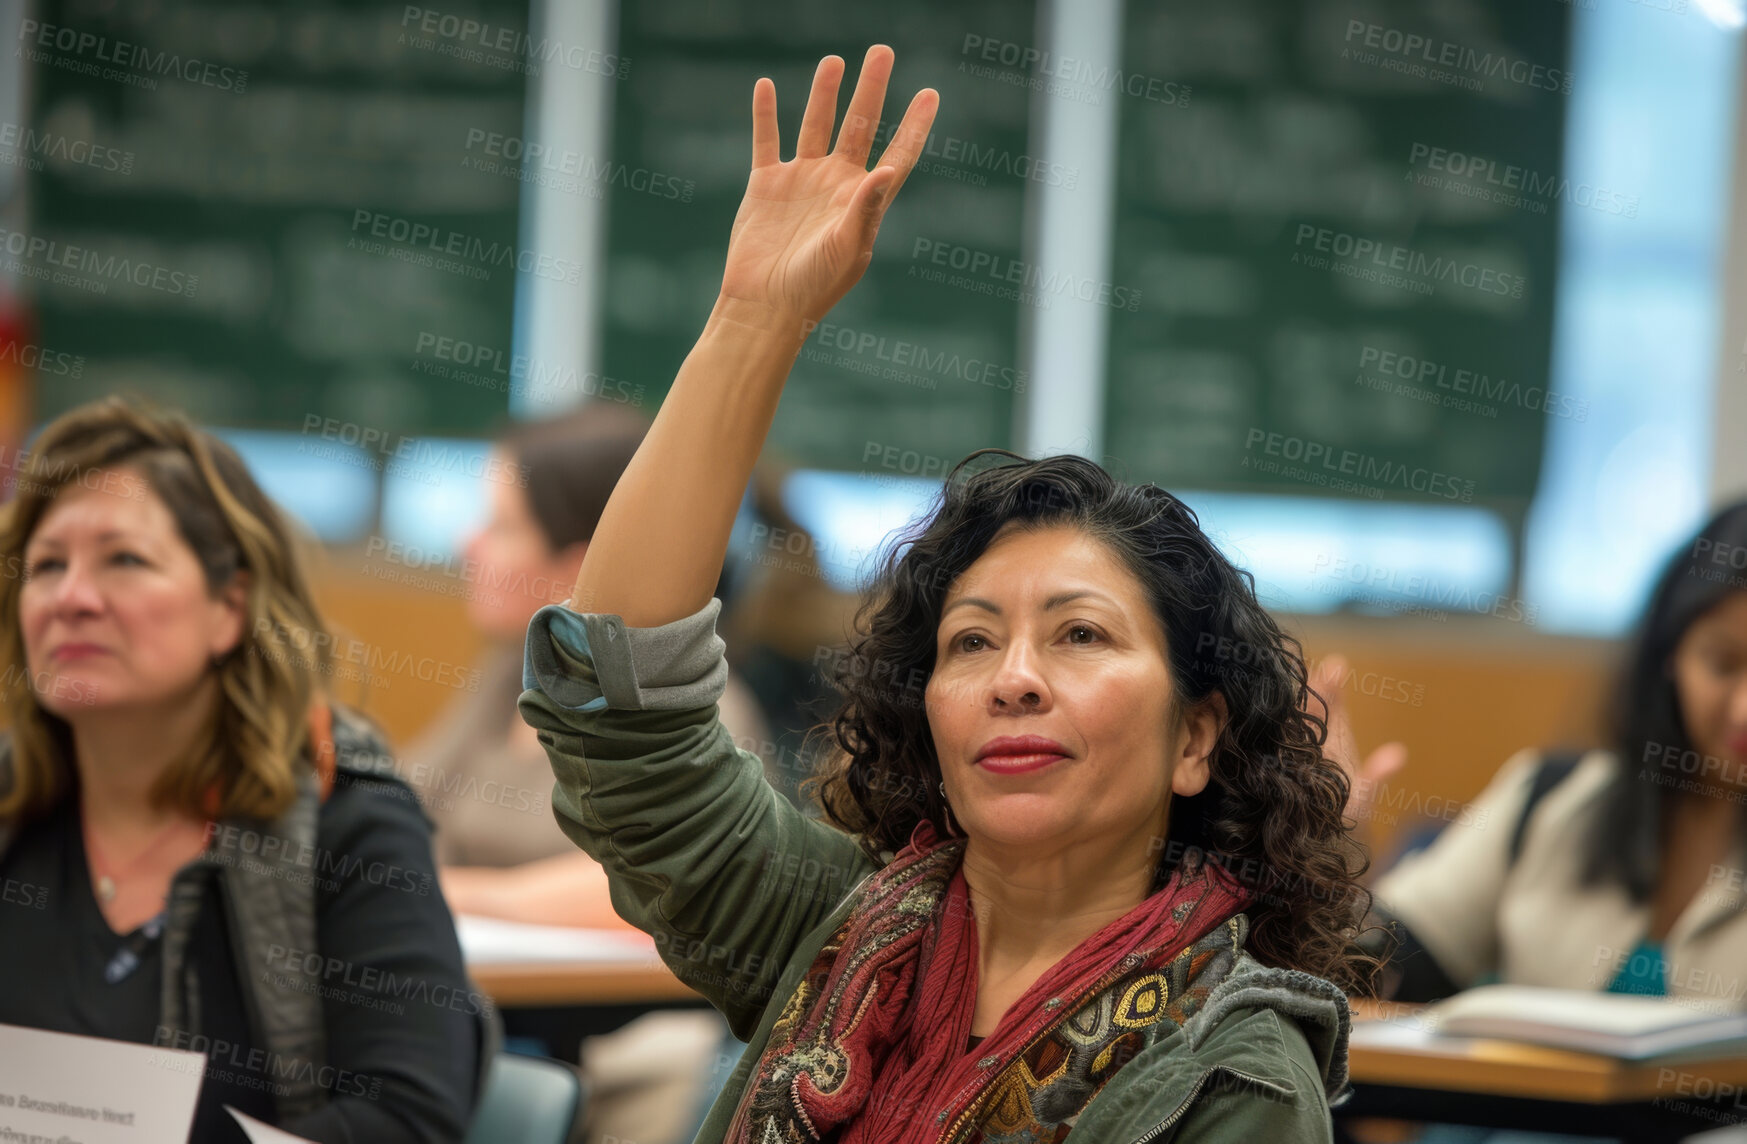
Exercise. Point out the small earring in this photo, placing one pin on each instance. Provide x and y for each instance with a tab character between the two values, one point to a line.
951	826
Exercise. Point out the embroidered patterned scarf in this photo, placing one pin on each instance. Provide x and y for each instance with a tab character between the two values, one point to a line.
871	1048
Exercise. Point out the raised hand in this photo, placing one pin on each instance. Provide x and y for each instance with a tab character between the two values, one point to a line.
805	230
1341	747
803	236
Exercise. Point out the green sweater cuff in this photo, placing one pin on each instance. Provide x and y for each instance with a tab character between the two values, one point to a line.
586	661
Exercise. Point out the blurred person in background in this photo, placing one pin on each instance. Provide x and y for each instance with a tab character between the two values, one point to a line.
484	777
168	713
1615	870
487	782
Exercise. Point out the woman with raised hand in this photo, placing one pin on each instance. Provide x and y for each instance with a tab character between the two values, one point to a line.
1081	873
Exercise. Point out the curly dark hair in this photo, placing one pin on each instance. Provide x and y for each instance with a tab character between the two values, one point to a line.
1273	812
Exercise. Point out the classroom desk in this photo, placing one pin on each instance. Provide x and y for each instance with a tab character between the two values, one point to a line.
1504	1084
539	985
556	986
558	1005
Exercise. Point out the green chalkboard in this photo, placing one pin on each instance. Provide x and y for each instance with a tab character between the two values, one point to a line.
906	361
286	204
1345	242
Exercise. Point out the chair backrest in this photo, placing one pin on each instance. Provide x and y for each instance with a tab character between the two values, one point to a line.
527	1100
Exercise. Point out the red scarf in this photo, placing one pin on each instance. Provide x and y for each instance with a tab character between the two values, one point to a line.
873	1043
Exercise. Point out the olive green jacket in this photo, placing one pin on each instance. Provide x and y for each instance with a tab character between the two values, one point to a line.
740	890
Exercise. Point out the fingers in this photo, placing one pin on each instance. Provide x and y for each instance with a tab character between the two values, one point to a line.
766	145
815	137
906	145
861	121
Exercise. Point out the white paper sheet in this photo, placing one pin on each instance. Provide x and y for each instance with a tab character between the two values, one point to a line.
1406	1031
1620	1025
95	1091
492	941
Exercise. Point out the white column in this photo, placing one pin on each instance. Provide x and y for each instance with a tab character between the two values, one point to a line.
1071	232
1729	425
570	109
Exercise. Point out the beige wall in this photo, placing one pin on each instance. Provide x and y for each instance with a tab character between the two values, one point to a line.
1485	687
1489	687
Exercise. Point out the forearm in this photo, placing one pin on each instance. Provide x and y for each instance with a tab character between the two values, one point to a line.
657	553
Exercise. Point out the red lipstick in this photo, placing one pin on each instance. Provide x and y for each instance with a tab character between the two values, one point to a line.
1018	754
77	651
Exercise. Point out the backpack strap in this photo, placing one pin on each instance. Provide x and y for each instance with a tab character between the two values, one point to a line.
271	903
1553	769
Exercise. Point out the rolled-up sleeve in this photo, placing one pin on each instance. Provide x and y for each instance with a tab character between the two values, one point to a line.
590	661
700	851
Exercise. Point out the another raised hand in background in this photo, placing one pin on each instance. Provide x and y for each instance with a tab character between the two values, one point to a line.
1342	747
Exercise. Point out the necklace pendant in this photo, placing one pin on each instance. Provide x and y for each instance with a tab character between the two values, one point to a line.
106	887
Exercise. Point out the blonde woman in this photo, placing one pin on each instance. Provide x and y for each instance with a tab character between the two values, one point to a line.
213	865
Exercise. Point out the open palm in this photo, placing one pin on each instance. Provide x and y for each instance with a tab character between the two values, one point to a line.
805	230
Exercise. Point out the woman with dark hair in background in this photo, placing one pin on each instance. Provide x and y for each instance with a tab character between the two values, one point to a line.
486	781
1617	870
222	866
1077	876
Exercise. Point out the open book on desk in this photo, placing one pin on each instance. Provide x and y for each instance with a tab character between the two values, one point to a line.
493	941
1625	1027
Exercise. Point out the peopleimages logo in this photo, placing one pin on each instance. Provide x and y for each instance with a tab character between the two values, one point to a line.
1330	464
1068	72
104	50
1469	390
966	160
1341	571
107	267
525	158
420	242
1429	54
1392	256
29	146
411	455
519	374
31	356
1502	181
1021	273
501	46
906	354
